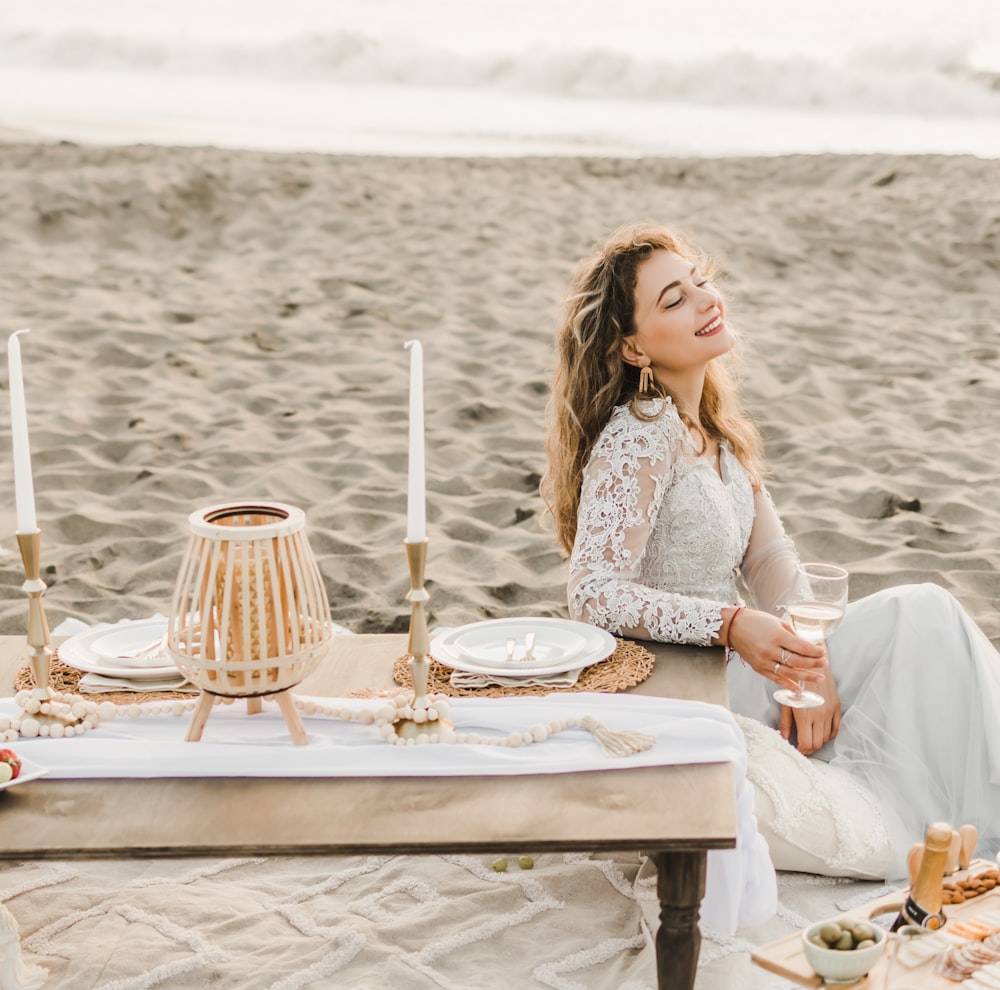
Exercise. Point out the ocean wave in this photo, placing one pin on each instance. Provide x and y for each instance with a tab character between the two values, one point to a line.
924	81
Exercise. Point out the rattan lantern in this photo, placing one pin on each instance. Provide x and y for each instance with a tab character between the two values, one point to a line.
249	616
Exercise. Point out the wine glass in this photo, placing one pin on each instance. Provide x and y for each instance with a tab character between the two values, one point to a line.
819	598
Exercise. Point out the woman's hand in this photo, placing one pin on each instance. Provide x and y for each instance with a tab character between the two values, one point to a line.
773	649
814	727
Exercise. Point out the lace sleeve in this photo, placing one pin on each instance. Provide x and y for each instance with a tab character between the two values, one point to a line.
629	472
769	567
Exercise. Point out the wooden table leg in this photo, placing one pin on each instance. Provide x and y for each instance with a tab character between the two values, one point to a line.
680	884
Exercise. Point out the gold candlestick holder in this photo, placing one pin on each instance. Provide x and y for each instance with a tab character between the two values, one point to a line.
30	545
419	649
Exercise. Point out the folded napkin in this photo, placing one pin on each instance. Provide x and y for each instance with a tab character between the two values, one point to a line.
101	684
467	679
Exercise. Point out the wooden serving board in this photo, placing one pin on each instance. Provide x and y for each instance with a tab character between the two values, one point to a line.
785	957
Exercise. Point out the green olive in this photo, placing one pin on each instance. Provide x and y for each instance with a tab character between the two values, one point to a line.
846	941
831	932
864	932
865	943
816	940
525	862
500	865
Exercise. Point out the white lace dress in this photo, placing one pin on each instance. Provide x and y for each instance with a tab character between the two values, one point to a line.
664	543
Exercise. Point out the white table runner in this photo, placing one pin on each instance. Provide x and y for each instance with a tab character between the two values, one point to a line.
235	744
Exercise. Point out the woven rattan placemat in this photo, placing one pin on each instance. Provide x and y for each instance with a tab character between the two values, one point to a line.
64	678
629	665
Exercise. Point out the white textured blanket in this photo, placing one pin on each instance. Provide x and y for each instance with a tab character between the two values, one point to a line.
573	922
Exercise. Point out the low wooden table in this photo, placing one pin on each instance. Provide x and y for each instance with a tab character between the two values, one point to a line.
674	814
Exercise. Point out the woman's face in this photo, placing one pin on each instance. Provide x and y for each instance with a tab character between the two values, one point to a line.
679	318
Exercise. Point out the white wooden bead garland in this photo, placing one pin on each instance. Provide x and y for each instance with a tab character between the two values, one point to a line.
384	718
400	708
73	706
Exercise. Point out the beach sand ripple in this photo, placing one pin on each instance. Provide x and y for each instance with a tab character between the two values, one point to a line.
211	325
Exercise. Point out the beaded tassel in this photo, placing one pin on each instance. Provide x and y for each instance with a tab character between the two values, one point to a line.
616	743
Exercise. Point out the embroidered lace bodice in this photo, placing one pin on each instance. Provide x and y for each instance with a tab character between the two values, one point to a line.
662	537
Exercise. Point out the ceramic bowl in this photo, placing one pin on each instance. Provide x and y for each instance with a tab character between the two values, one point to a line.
842	965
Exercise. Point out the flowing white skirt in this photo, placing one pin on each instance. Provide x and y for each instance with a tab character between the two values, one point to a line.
919	684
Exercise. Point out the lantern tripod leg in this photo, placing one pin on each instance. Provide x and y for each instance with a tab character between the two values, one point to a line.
201	712
286	702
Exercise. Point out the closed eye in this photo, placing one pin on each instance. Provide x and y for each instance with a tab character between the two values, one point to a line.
676	302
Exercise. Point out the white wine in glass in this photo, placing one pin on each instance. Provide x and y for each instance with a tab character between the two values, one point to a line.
819	601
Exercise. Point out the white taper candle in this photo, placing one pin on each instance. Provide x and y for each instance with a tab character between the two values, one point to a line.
416	509
24	489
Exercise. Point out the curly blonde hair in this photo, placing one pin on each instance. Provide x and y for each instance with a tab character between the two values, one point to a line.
591	378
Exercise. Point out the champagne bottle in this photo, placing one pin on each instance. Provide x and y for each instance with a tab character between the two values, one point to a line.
923	905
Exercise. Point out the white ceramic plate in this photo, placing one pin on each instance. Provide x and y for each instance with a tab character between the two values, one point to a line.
557	641
119	646
560	645
30	770
96	650
458	663
485	643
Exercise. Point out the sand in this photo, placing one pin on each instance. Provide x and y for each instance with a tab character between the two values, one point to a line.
210	325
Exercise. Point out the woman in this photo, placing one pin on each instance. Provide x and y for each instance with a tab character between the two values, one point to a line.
655	486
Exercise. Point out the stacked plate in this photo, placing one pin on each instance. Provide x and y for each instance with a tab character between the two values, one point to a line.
133	653
523	647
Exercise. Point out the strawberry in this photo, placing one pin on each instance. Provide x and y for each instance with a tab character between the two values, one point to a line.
12	760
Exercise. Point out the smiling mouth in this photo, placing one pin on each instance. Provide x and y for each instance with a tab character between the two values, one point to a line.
714	325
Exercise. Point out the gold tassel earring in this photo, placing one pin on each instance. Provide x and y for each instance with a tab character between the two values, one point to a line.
646	381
